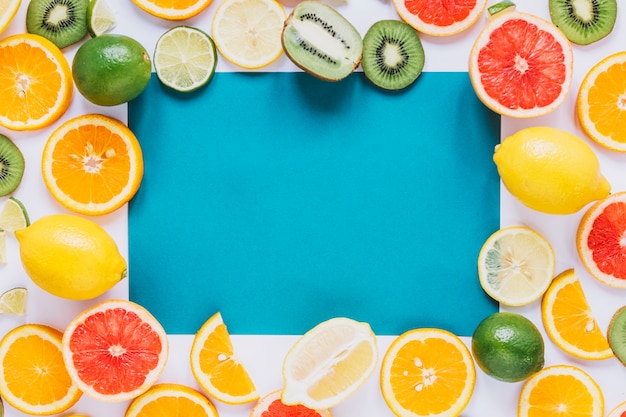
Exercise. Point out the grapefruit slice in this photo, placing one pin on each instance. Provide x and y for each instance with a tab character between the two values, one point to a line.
115	351
440	17
270	405
521	65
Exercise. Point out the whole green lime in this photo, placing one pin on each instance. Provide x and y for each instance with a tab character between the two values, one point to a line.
508	346
111	69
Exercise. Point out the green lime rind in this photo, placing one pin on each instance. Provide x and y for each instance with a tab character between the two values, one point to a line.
13	301
100	18
616	334
13	215
500	7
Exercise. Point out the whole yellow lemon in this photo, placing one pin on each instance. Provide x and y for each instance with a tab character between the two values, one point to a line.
550	170
70	256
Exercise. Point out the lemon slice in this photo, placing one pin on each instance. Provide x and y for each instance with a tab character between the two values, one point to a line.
13	301
100	18
516	265
185	58
8	9
13	215
248	32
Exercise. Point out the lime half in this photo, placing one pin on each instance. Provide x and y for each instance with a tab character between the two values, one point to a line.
13	215
100	18
185	58
13	301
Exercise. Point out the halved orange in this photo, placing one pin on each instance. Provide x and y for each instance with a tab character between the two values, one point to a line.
92	164
561	390
173	9
35	80
440	17
601	102
31	359
172	400
427	372
216	367
569	321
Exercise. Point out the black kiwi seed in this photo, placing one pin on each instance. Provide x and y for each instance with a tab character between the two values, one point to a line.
63	22
584	21
11	166
616	334
393	56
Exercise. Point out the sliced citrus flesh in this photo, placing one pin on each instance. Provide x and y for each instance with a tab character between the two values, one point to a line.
521	65
569	321
13	215
31	358
561	390
600	240
601	102
8	9
13	301
440	17
100	17
329	363
248	32
216	367
173	9
516	265
35	80
270	405
427	372
115	350
92	164
618	411
172	400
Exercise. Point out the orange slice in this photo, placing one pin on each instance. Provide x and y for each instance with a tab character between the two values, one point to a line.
561	390
35	80
271	406
8	9
440	17
521	65
216	367
31	358
92	164
173	9
115	350
427	372
569	322
599	240
601	102
172	400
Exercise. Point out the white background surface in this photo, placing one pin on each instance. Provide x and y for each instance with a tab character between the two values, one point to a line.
262	355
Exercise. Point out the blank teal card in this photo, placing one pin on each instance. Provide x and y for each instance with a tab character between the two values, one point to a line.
282	200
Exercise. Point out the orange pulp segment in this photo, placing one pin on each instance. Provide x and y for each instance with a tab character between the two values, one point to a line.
172	400
173	9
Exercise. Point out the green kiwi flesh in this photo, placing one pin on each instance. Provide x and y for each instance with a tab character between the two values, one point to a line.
616	334
320	40
393	56
63	22
584	21
11	166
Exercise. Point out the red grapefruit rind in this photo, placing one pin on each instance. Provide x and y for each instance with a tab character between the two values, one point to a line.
91	365
267	401
555	80
608	214
618	411
423	26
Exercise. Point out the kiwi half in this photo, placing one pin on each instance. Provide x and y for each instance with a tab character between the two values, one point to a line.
393	56
319	40
584	21
63	22
11	166
616	334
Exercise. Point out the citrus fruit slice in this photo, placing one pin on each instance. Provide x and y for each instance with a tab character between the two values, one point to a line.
618	411
172	400
599	240
13	301
601	102
270	405
516	265
173	10
562	390
185	58
8	9
36	82
215	365
569	321
92	164
329	363
115	350
31	358
248	32
427	372
521	65
100	17
440	17
13	215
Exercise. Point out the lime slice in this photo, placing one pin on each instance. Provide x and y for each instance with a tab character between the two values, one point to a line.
3	250
13	215
501	6
13	301
516	265
185	58
100	18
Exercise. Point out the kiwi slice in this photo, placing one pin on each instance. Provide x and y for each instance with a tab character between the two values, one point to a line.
393	56
63	22
584	21
11	166
616	334
319	40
